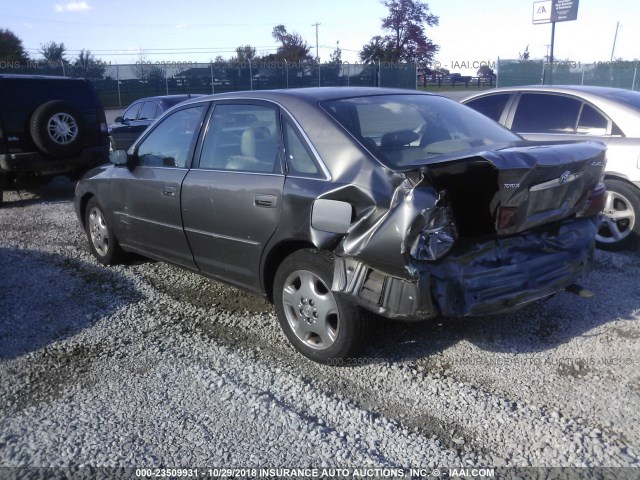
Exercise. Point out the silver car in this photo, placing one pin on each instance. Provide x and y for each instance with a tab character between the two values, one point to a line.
335	201
608	115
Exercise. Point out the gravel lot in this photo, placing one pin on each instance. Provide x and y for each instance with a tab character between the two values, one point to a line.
147	365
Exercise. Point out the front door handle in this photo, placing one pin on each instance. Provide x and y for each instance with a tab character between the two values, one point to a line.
266	201
168	191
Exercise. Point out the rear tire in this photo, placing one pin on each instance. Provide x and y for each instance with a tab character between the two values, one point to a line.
619	225
321	325
102	241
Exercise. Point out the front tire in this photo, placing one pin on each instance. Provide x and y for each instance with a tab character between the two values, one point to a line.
102	241
320	325
619	226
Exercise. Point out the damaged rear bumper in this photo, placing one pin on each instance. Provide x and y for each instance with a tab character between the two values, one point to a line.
482	278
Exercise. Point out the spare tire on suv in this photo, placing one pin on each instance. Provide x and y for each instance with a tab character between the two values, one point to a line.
57	128
49	126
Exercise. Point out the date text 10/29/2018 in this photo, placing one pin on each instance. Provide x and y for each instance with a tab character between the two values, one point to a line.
367	472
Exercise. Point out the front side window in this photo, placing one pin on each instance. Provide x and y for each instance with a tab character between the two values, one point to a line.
542	113
241	138
171	142
132	112
408	130
490	106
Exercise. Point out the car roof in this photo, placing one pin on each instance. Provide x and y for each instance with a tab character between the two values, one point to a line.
605	98
169	99
297	100
313	94
581	89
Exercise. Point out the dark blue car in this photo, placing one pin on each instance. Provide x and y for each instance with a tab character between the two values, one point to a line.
140	114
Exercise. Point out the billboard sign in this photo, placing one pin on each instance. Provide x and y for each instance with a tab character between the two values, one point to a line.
542	11
564	10
555	11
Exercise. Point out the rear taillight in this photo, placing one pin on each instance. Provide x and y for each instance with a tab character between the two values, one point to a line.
507	217
593	204
438	234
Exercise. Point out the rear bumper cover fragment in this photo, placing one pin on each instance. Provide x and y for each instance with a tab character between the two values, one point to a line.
489	277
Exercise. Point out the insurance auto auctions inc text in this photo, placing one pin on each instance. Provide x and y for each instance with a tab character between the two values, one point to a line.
365	473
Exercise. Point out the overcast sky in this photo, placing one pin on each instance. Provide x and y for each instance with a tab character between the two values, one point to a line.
470	31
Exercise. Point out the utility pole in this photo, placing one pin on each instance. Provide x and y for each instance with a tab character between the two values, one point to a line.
615	37
316	25
317	53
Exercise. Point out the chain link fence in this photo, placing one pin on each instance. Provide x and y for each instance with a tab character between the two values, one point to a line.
620	74
119	85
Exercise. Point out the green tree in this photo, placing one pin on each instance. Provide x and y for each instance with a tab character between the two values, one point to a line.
11	48
292	49
244	53
54	52
406	38
406	23
156	75
486	71
524	55
86	66
149	73
378	49
336	55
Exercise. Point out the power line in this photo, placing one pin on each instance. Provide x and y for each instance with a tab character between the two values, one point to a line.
101	24
159	50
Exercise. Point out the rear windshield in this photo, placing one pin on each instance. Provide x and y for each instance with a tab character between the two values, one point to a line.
404	130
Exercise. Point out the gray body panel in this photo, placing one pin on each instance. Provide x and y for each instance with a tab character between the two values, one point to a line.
146	209
228	218
232	225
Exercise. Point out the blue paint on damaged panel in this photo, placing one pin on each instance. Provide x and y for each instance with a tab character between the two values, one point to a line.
503	274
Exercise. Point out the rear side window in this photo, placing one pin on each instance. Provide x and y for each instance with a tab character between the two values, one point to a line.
300	162
541	113
592	122
148	111
490	106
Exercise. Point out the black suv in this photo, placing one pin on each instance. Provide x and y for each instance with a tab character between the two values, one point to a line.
49	126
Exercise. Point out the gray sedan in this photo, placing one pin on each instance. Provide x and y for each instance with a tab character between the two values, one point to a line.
608	115
339	201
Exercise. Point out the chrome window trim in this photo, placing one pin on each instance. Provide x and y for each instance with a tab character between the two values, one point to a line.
246	172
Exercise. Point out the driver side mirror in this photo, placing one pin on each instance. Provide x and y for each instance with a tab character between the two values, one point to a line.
119	120
119	157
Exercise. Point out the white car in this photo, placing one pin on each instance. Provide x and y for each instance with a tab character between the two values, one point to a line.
608	115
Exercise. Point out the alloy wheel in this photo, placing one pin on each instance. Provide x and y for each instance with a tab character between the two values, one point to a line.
311	310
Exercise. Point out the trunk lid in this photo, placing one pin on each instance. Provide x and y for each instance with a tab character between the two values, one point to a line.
519	187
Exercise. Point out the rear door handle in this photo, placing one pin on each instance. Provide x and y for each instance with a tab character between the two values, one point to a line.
168	191
266	201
